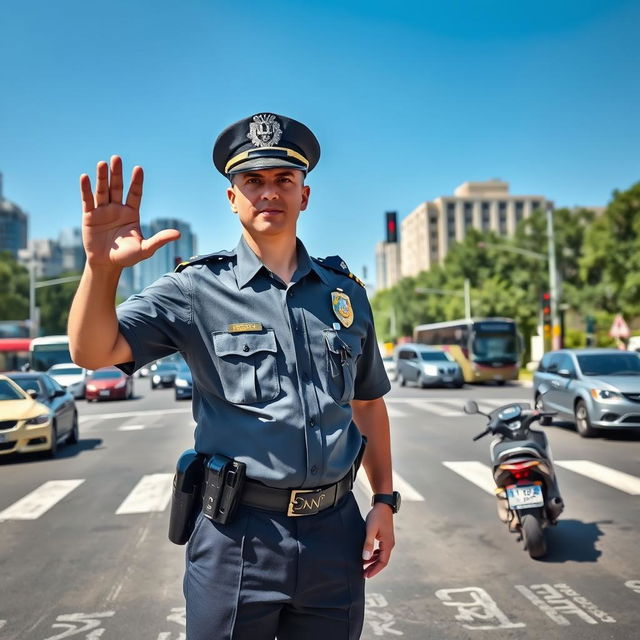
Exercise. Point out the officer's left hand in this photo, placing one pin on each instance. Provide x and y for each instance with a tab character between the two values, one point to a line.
380	528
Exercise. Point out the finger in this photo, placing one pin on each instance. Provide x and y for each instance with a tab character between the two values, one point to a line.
374	569
115	186
102	184
134	196
367	549
86	195
152	244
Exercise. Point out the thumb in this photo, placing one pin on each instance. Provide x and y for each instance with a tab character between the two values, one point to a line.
367	550
155	242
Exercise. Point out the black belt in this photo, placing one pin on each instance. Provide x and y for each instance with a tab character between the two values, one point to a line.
295	502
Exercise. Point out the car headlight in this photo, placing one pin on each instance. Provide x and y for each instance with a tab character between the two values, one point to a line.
181	382
41	419
156	379
431	369
91	387
604	394
120	384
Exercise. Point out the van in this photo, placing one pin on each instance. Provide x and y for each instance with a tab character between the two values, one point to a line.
426	366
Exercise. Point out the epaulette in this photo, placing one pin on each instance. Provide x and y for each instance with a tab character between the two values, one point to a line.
218	255
336	263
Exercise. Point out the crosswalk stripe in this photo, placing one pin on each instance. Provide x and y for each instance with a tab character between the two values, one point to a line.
431	407
476	472
40	500
616	479
131	427
395	412
152	493
409	494
133	414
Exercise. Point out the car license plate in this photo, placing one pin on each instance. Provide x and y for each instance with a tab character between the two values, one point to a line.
104	392
525	496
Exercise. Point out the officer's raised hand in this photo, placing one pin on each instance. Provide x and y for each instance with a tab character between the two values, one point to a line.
110	229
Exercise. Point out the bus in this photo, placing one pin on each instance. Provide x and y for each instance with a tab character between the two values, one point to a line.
14	353
487	349
49	350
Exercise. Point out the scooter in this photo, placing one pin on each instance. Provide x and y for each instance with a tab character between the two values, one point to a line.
526	487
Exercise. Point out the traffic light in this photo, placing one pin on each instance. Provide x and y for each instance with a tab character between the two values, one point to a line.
392	226
545	302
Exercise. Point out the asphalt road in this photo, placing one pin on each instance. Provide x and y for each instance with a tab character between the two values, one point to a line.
84	550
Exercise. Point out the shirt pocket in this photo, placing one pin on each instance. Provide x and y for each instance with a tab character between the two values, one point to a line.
247	366
343	351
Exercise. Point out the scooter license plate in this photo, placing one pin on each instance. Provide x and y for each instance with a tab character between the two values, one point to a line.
525	496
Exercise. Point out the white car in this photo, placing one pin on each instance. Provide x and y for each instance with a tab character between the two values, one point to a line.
70	376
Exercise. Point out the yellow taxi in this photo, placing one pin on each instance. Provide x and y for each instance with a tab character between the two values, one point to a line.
25	424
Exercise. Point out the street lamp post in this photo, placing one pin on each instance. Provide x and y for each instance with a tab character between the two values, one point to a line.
34	315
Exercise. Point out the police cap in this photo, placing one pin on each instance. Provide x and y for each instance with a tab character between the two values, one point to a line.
265	141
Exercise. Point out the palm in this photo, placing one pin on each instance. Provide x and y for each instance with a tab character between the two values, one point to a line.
111	230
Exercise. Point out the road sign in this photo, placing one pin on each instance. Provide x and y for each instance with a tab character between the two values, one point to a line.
619	328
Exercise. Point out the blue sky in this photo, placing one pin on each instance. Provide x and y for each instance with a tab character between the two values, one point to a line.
408	99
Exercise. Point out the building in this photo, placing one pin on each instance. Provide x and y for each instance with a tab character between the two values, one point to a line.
165	259
429	231
387	265
13	226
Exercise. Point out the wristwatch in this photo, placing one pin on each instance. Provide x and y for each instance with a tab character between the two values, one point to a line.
392	499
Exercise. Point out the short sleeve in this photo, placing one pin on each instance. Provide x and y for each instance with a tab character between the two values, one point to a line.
371	377
157	321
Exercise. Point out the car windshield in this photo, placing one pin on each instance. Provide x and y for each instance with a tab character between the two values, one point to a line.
165	367
494	346
9	392
106	375
610	364
28	384
65	371
438	356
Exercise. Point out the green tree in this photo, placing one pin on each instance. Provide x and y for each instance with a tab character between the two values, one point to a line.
54	302
14	293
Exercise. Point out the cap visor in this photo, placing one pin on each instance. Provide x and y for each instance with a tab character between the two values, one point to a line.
255	164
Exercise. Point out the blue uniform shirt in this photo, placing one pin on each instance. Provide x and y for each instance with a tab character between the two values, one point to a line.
273	369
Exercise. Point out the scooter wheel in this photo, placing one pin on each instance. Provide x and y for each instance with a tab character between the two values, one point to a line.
533	535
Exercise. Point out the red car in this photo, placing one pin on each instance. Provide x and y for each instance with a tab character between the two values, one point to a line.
109	384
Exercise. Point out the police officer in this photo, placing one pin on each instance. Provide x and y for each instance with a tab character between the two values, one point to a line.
287	379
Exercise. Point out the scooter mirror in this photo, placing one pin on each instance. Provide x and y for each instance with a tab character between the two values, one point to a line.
471	407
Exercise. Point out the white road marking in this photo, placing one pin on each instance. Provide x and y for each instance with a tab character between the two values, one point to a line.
395	413
476	472
133	414
409	494
40	500
432	406
616	479
152	493
131	427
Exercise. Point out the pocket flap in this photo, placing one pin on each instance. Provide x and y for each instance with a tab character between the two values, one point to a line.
243	344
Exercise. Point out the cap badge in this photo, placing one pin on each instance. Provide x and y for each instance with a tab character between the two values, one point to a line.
342	308
265	130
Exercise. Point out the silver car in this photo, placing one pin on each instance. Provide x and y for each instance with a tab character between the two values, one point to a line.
595	388
426	366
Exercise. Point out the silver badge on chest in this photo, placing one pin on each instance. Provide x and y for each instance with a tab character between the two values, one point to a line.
265	130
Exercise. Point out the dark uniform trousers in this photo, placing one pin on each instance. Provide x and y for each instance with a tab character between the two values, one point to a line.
268	575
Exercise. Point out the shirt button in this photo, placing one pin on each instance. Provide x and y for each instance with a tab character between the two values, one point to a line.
314	470
312	423
246	347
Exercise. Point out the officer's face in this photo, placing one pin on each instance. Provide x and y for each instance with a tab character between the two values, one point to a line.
269	201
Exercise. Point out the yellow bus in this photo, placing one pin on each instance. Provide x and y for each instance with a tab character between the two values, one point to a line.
487	349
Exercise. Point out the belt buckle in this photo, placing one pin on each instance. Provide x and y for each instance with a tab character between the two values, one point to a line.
305	506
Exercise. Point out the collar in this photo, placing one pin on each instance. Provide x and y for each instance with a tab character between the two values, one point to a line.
249	265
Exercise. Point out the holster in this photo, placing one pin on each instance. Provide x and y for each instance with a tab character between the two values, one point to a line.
186	499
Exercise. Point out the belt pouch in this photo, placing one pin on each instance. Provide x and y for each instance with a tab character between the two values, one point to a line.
216	471
231	491
186	498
